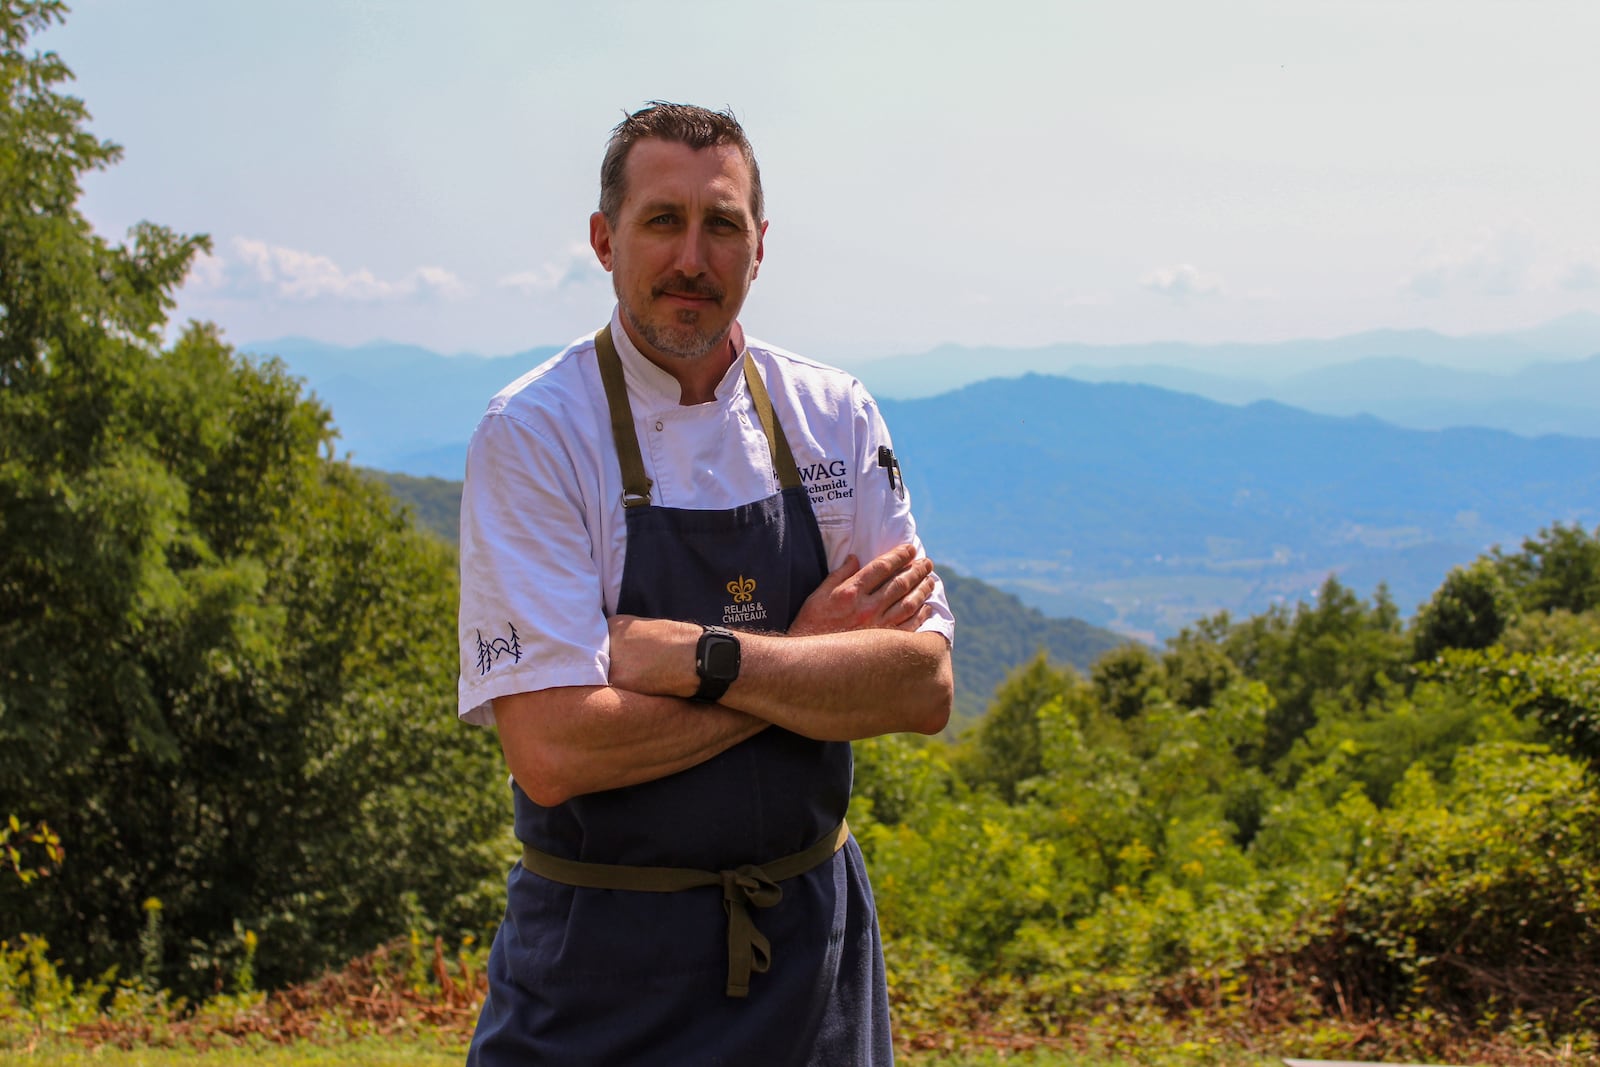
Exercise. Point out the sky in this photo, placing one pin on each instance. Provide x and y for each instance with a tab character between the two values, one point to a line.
1002	173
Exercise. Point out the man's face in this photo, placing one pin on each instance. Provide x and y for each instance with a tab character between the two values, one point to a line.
683	248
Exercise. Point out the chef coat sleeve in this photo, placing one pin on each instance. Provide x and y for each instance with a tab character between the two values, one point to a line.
883	512
532	609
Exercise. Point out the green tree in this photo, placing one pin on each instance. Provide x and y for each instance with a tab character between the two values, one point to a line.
1337	652
1008	749
226	662
1126	679
1471	609
1197	668
1557	570
1559	691
1558	632
1475	895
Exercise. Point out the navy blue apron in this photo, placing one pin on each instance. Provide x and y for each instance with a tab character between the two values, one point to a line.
617	977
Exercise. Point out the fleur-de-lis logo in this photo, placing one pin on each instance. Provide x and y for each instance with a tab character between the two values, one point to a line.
743	589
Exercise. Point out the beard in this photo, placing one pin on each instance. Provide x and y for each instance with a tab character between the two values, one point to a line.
685	338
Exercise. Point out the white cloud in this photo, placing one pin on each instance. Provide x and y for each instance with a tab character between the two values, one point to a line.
1182	282
1494	264
577	267
257	268
207	273
438	280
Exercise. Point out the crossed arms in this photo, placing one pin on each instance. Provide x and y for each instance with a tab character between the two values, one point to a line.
853	665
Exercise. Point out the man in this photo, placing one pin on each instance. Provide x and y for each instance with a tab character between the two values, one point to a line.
663	613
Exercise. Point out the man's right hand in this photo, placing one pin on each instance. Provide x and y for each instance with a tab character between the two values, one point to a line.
891	592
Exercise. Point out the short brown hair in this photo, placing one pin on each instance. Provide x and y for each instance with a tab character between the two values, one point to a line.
685	124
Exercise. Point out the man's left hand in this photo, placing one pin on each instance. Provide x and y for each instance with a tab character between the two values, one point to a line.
891	592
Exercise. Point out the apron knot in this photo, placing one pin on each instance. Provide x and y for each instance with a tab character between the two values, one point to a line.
749	951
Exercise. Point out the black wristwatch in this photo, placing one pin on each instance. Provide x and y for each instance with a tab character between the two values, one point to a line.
716	661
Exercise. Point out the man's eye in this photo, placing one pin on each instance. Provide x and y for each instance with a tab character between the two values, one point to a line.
724	224
663	220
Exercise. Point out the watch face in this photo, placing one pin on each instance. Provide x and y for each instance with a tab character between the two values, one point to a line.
722	658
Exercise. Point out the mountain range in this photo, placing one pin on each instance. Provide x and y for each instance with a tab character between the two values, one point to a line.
1145	509
1540	381
1142	507
404	408
1540	398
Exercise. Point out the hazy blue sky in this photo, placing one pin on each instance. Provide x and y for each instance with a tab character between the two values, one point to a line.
1007	172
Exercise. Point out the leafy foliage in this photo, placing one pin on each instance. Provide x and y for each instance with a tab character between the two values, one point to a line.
226	662
15	842
1276	803
1555	571
1478	897
1470	610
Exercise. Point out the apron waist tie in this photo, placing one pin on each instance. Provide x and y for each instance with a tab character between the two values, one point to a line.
744	887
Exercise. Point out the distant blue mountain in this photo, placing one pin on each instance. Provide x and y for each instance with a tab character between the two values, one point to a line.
399	407
1538	399
1545	380
405	408
1144	507
1161	506
1575	336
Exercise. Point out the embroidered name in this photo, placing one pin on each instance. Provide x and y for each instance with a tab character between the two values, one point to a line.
828	480
489	652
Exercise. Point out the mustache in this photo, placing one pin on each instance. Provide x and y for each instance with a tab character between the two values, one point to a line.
683	285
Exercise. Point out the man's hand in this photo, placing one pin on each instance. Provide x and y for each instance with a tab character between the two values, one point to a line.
891	592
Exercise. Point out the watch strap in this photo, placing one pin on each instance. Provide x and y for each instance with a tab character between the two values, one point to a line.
711	690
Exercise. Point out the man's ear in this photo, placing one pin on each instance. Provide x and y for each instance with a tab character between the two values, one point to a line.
600	238
761	250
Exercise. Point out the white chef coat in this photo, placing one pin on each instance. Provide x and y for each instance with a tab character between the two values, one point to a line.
543	538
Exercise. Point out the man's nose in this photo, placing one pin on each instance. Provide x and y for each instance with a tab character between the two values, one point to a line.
691	259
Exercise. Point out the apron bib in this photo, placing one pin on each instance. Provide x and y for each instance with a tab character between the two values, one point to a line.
615	977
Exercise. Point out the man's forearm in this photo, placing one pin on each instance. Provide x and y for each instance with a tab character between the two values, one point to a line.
846	686
852	666
833	687
564	742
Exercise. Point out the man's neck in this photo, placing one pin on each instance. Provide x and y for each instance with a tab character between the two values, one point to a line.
697	376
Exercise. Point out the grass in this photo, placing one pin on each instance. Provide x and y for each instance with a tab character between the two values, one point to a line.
367	1052
414	1052
1176	1056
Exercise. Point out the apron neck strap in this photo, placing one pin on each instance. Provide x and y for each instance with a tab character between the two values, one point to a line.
635	485
783	464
